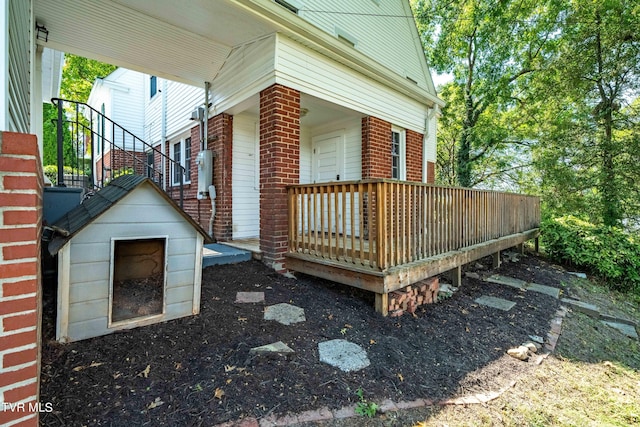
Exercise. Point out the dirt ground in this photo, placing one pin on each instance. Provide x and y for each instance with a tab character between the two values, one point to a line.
198	371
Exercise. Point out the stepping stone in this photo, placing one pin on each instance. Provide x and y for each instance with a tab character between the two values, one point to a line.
509	281
583	307
547	290
343	355
249	297
277	347
580	275
286	314
626	329
493	302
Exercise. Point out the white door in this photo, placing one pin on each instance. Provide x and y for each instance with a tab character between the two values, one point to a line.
246	174
328	155
327	166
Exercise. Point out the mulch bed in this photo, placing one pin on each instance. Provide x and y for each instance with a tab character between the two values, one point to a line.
198	371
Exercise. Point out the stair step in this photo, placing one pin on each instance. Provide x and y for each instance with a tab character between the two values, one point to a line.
217	254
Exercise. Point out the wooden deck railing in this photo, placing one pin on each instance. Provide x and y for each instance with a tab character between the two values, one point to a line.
379	224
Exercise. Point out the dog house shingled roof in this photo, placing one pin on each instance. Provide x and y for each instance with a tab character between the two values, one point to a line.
83	214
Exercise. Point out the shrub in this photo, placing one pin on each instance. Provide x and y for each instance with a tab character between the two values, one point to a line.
51	171
608	252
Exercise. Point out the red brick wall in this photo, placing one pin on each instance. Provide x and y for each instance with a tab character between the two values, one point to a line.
376	148
220	130
431	172
221	142
279	167
21	185
414	156
115	161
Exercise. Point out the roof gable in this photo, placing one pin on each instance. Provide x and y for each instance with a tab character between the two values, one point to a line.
85	213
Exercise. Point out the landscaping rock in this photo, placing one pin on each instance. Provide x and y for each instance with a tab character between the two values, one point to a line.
499	303
249	297
583	307
520	353
343	354
286	314
277	347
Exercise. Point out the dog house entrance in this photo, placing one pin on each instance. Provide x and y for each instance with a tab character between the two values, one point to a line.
138	278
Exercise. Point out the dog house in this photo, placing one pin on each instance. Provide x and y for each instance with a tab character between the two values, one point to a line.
128	256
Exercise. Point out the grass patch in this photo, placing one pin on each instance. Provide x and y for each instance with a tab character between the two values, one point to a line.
592	379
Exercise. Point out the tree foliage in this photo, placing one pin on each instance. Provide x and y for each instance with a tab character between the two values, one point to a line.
50	139
586	116
79	74
489	47
544	98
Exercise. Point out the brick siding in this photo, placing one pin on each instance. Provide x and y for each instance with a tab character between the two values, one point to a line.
414	156
21	183
376	148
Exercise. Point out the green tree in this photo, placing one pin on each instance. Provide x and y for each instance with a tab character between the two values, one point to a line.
588	125
50	139
79	74
489	47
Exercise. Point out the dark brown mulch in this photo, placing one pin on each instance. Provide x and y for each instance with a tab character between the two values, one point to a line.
198	371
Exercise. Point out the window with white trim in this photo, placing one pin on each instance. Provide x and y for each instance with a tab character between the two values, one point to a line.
153	86
181	154
398	154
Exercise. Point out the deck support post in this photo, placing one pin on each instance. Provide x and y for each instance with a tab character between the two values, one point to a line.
455	275
382	304
537	244
520	247
496	259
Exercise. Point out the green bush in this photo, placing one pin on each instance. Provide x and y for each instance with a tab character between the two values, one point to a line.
608	252
51	171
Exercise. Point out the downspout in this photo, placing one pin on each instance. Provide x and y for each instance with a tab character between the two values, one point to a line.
163	133
205	139
431	112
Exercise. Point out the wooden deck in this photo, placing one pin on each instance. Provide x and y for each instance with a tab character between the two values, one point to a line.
383	235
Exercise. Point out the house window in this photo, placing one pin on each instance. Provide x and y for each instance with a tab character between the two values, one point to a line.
398	157
153	86
149	165
181	155
187	159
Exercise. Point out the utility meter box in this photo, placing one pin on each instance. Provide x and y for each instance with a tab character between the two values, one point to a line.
204	160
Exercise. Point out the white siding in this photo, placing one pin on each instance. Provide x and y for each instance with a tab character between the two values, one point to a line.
182	99
385	31
245	175
16	67
303	69
142	214
247	71
127	106
152	116
306	151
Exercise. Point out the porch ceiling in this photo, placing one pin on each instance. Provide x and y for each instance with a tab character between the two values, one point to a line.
184	42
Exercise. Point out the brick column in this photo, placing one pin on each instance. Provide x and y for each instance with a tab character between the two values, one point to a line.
376	148
21	183
221	143
279	167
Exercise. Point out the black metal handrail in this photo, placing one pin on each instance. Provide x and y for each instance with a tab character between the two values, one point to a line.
86	126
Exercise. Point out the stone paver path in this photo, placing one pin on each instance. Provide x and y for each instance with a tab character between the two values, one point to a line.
286	314
249	297
499	303
343	354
